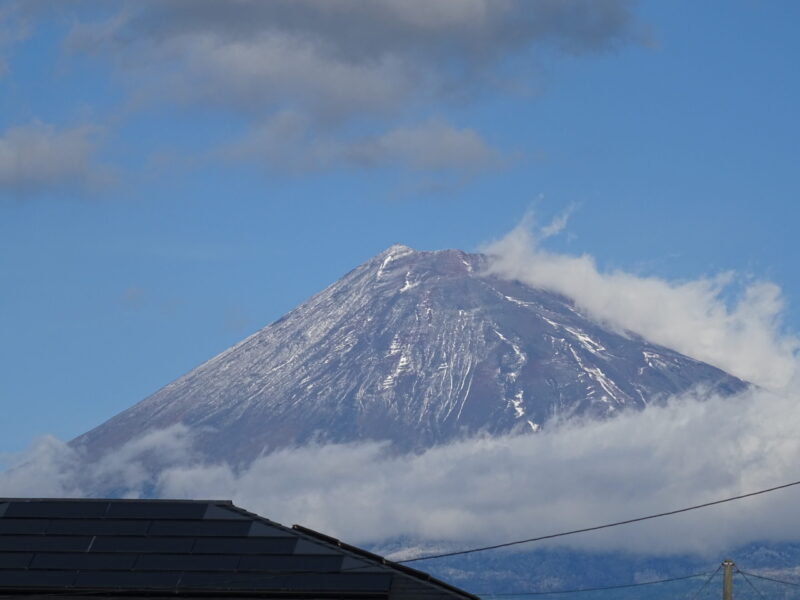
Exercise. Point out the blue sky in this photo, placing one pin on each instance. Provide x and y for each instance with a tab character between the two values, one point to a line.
175	175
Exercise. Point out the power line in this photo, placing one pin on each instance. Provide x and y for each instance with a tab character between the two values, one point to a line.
765	578
595	589
597	527
750	583
705	583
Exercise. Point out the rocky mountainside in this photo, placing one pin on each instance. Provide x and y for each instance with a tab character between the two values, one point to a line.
417	348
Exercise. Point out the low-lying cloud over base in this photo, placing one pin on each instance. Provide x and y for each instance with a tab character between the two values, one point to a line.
489	490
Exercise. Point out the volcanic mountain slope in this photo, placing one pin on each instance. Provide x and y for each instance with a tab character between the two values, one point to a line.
417	348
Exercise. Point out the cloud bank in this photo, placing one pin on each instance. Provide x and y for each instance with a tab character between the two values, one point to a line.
347	78
488	490
343	57
724	320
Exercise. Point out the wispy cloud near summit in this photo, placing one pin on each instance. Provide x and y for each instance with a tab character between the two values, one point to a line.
726	320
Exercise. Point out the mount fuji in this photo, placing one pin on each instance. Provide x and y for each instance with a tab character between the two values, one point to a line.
416	348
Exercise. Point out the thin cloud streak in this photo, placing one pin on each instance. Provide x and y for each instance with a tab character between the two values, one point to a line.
289	143
14	28
38	158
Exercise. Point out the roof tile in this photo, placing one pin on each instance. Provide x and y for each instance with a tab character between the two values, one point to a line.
140	547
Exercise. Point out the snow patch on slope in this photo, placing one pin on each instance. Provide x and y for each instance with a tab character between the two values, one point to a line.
393	253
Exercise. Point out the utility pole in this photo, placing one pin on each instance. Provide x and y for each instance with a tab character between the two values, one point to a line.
727	579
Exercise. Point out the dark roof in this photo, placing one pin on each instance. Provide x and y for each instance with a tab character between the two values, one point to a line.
187	548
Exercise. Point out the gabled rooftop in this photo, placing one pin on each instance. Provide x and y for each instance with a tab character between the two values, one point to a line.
187	549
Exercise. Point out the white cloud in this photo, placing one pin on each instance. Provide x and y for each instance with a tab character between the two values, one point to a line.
47	469
487	490
558	223
39	157
52	468
494	490
743	336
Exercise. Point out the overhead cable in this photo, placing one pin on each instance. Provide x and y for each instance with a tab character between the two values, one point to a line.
765	578
705	584
750	583
594	589
597	527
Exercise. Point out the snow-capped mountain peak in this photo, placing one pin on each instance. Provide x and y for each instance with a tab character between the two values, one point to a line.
417	348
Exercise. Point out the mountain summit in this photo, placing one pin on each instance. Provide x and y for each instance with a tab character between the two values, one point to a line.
418	348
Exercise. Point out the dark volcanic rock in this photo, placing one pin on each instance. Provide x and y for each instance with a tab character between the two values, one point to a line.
417	348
